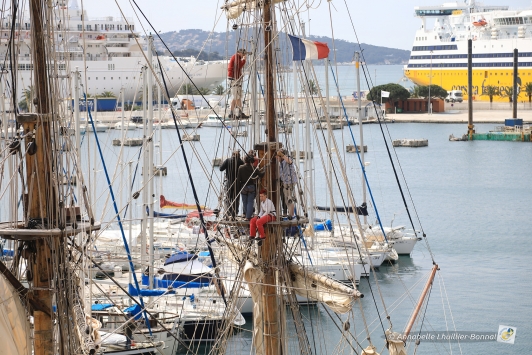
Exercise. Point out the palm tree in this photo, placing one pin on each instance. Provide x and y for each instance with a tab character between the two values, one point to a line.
416	91
528	90
187	89
28	95
509	93
312	87
106	94
204	91
219	90
491	91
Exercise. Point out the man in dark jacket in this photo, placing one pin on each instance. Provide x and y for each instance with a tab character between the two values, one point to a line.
230	166
247	184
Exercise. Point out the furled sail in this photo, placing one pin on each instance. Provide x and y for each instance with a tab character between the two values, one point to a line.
253	276
14	324
306	283
396	345
234	9
321	288
361	210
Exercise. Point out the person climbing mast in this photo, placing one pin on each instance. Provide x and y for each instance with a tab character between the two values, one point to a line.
234	74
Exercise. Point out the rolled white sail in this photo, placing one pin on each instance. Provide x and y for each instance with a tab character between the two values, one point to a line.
396	345
235	8
321	288
253	276
14	323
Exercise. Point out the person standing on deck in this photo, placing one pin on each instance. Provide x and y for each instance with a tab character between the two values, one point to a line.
234	74
232	200
288	179
247	184
266	214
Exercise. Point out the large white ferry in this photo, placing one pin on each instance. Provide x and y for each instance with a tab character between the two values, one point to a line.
439	54
107	51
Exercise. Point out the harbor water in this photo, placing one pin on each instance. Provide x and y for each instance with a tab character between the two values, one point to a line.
473	200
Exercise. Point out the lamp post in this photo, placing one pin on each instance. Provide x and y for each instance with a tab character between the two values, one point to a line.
430	83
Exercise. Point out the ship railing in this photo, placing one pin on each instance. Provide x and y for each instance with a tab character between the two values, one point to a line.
112	19
121	39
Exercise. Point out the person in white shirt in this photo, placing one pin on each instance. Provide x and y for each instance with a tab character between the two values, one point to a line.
266	214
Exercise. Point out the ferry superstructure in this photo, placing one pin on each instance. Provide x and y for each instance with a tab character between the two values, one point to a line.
107	51
439	54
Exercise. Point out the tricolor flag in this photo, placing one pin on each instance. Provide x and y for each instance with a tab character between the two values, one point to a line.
385	93
307	50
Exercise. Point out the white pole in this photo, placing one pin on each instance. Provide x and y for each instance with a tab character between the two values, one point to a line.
329	139
357	64
255	119
160	117
150	156
296	116
94	170
143	245
130	218
122	91
308	160
296	111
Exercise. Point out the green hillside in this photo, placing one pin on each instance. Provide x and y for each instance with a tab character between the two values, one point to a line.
219	45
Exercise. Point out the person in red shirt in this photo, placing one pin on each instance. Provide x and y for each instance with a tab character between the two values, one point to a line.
234	74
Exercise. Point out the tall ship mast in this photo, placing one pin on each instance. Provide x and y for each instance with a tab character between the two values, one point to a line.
110	49
439	54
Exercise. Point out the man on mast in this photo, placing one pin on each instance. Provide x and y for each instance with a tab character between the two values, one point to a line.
234	74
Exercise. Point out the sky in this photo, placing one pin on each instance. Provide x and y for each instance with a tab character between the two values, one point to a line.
387	23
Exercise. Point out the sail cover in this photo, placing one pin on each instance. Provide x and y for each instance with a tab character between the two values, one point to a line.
253	276
235	8
396	345
361	210
321	288
14	324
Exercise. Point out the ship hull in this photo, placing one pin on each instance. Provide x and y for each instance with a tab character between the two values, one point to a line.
124	74
440	55
456	79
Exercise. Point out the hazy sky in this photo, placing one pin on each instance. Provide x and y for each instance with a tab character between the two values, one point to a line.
389	23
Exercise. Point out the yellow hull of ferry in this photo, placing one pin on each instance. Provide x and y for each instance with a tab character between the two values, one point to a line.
456	79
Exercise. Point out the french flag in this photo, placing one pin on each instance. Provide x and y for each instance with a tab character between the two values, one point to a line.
307	50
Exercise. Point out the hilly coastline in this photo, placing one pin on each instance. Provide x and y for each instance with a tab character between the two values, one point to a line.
218	45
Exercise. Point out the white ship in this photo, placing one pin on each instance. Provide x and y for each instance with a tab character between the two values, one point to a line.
109	48
439	54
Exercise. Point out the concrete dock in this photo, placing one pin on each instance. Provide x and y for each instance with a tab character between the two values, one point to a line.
454	113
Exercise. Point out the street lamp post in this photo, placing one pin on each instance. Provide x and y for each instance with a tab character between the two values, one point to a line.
430	83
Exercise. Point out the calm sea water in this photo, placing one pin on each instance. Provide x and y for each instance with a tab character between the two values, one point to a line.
473	201
370	76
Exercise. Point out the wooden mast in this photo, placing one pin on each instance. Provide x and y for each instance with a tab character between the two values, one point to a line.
41	197
269	252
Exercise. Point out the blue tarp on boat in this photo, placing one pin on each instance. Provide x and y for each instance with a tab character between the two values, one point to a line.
134	311
158	283
7	252
325	226
135	292
166	215
101	306
180	257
